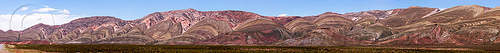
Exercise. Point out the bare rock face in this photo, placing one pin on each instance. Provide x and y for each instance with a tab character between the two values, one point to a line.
127	39
91	35
55	35
478	34
319	37
282	20
300	27
407	16
460	25
86	30
378	14
94	21
251	32
102	32
164	30
57	32
189	17
366	20
125	29
431	35
233	17
454	14
135	35
37	32
31	36
334	22
205	29
371	33
91	22
84	37
9	36
483	29
69	37
322	31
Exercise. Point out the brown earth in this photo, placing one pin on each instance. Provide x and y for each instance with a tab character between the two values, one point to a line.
460	25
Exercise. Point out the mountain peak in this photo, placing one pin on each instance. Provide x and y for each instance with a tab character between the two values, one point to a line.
189	9
395	26
414	7
41	24
38	26
494	9
327	13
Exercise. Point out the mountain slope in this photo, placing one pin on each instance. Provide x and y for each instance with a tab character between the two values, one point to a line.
460	25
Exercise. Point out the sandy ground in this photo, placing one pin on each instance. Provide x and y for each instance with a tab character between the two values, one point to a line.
2	49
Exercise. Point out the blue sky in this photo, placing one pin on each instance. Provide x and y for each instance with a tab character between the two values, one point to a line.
135	9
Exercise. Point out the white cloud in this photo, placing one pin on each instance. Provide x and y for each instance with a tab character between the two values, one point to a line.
24	8
64	11
33	19
441	9
46	9
282	15
59	17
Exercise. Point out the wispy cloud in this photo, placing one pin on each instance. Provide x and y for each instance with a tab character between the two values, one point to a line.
41	15
64	11
24	8
46	9
442	9
33	19
282	15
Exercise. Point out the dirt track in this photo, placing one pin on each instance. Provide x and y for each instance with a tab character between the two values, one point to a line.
2	49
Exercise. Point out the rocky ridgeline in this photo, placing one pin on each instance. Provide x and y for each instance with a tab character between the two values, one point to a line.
460	25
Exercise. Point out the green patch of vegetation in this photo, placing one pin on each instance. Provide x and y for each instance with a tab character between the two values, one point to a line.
71	48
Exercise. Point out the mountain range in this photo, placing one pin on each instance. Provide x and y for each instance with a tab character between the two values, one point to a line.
459	25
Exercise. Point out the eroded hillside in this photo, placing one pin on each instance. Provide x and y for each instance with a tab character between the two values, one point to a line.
459	25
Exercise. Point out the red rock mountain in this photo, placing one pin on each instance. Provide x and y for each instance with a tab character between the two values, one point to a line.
459	25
